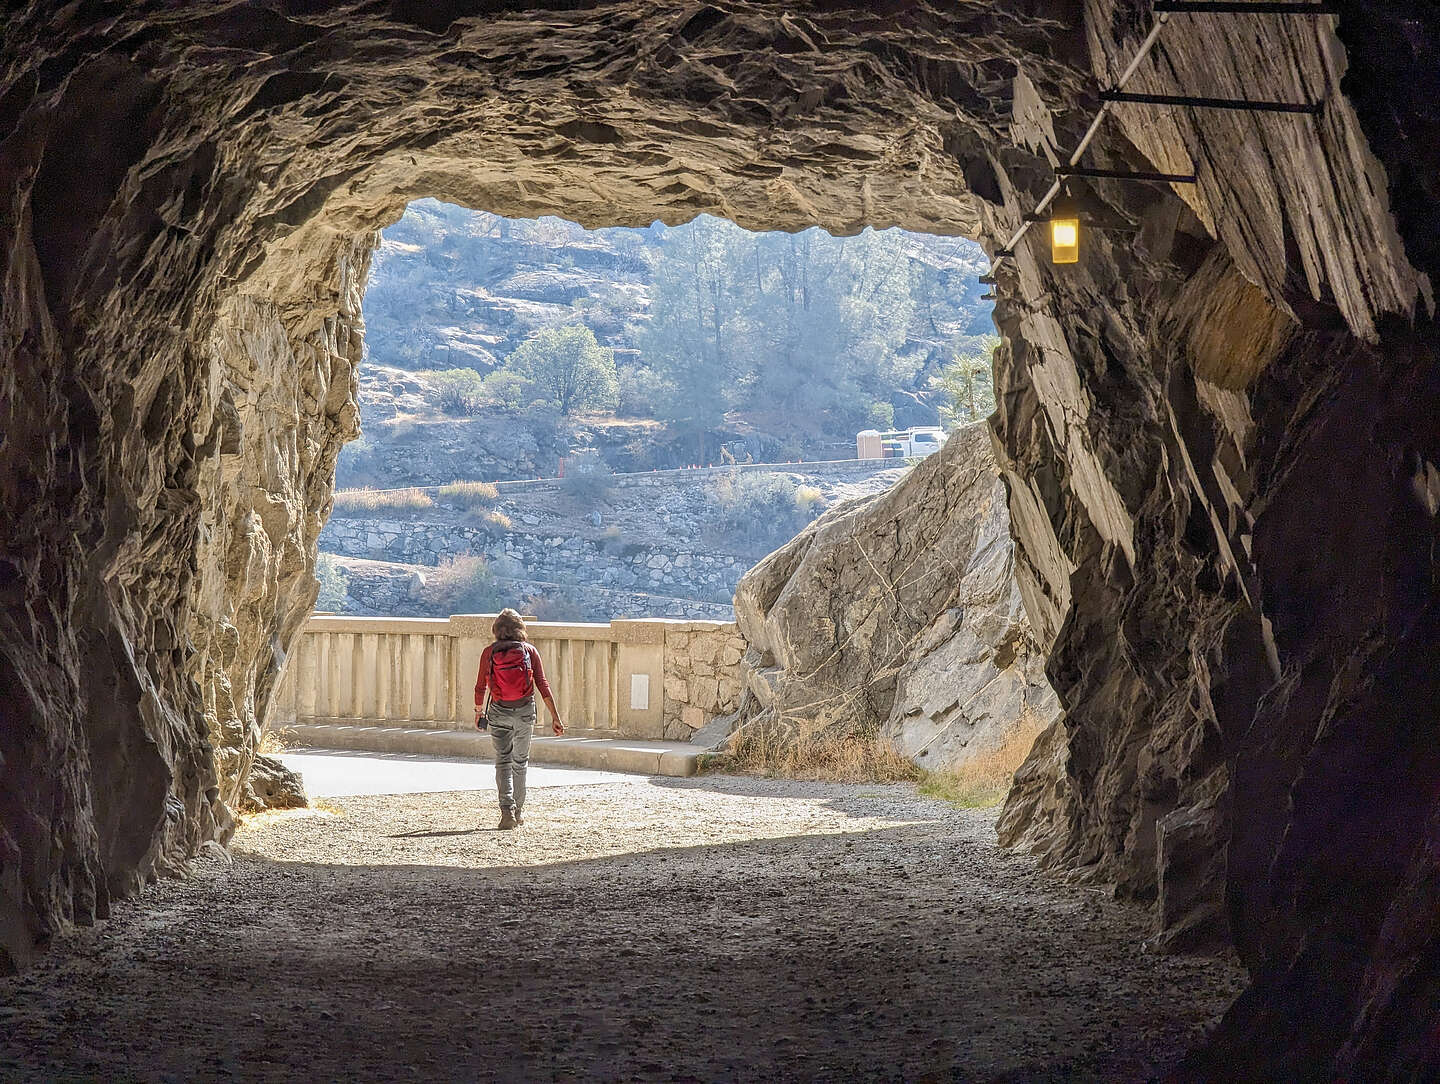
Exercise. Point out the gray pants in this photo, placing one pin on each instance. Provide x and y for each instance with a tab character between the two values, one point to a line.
510	732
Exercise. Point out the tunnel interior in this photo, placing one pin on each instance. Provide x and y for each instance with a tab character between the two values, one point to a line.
1217	430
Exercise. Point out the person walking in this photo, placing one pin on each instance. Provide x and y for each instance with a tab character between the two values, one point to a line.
511	673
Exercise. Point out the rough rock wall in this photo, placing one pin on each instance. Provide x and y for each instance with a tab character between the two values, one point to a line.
1218	429
1221	450
899	614
275	412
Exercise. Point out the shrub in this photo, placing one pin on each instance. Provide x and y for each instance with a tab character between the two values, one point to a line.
796	750
761	507
382	500
457	391
463	584
807	498
506	390
490	520
333	597
555	604
613	540
587	479
470	494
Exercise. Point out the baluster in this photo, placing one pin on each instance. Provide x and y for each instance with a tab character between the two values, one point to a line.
592	684
612	684
365	668
383	675
408	709
354	666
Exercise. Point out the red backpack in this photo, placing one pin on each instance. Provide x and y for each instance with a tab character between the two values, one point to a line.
513	678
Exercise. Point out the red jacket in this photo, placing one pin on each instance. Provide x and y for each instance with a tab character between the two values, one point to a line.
507	678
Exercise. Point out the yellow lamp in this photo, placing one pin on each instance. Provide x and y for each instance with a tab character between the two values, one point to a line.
1064	232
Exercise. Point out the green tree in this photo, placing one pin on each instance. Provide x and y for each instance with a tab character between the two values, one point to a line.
968	380
699	339
568	368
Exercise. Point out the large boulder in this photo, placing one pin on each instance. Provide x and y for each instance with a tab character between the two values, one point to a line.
898	615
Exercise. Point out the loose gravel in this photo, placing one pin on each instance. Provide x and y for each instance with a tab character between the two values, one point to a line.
720	928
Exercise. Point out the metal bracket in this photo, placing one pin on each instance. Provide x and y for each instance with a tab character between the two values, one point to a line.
1244	7
1124	174
1242	104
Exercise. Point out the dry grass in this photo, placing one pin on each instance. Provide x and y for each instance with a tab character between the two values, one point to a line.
984	779
382	500
274	740
470	494
799	753
489	518
806	497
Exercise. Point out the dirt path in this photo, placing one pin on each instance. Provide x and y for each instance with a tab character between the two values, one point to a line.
714	929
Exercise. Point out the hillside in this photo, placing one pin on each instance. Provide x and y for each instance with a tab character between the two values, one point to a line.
775	346
711	346
589	547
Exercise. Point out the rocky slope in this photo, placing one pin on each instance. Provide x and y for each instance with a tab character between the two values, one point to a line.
899	614
629	545
1218	428
407	441
450	287
453	287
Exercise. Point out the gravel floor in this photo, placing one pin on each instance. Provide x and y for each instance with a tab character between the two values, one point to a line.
711	929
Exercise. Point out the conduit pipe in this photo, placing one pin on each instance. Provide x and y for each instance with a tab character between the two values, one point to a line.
1130	69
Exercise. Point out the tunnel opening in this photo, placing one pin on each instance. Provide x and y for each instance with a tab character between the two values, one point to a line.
501	351
692	398
1245	736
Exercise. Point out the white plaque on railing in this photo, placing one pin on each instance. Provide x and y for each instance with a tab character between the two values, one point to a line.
639	692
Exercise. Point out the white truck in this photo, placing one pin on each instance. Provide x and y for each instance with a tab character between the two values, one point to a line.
913	443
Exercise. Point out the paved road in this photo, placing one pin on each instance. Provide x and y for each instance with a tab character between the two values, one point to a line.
339	773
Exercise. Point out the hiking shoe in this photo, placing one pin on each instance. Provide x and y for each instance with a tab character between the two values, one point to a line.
519	820
507	821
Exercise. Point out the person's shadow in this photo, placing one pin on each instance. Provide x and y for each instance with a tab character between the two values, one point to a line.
430	835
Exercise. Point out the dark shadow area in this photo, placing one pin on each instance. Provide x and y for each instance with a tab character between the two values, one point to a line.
435	835
896	953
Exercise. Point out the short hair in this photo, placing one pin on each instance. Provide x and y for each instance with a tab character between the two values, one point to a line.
509	625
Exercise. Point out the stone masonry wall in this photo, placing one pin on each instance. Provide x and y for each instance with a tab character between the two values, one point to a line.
542	557
702	674
382	588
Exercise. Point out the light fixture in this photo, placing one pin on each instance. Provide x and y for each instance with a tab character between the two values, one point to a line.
1064	231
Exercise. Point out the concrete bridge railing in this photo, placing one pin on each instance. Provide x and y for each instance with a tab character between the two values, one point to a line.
648	679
